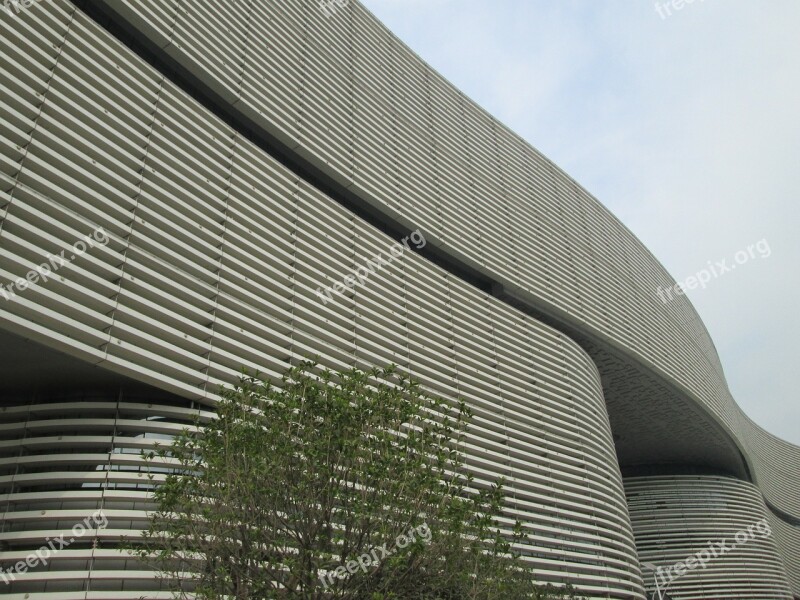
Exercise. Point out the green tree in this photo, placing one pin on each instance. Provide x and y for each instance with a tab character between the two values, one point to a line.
330	485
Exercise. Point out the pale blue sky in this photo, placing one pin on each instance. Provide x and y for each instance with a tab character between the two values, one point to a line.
686	127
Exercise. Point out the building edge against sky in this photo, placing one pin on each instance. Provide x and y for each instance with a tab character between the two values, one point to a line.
239	158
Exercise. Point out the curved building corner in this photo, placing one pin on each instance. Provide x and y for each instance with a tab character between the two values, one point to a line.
234	180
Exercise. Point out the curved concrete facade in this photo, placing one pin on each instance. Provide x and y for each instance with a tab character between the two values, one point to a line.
716	525
306	146
66	456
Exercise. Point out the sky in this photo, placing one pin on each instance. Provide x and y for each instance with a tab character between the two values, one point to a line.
685	124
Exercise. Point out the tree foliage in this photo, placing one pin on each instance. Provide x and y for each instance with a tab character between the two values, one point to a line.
343	485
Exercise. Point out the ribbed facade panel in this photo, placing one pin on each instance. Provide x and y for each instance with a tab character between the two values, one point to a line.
217	253
73	459
788	539
776	464
215	257
721	522
406	141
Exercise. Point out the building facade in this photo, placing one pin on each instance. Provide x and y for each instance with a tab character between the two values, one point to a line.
189	188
